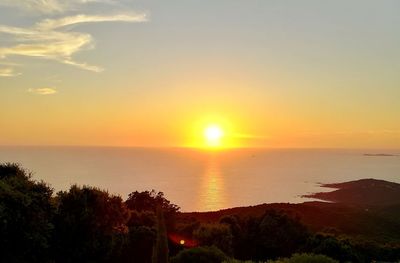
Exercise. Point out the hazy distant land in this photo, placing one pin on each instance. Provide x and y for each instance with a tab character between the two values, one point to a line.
380	154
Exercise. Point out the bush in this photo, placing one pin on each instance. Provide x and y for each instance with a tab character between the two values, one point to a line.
280	235
232	260
218	235
330	246
200	255
306	258
273	235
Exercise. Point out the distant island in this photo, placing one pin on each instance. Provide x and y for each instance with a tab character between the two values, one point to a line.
380	154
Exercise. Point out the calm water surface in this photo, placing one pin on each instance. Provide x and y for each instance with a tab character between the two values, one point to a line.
199	180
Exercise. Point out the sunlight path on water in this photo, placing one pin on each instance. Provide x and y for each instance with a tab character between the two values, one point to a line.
212	188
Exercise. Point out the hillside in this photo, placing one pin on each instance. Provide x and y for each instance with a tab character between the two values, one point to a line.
371	210
362	192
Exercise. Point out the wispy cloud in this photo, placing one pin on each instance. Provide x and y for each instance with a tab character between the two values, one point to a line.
50	39
49	6
51	24
43	91
8	72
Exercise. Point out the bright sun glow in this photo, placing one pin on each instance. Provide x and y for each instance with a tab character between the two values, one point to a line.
213	135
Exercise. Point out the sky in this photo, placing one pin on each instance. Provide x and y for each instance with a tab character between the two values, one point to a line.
301	74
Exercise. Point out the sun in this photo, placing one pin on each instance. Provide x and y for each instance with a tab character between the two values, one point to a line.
213	135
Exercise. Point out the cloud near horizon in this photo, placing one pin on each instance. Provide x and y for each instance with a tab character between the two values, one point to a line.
49	38
43	91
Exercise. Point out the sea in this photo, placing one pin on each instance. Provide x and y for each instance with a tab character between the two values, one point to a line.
204	180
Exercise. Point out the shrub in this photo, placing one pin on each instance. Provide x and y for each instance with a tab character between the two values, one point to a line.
200	255
218	235
306	258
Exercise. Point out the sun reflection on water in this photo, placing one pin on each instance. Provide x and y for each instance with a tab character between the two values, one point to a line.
212	190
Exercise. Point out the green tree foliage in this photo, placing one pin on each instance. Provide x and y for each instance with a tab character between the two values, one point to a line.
144	218
262	238
369	251
26	211
351	250
90	225
200	255
238	234
187	228
232	260
140	238
328	245
280	235
139	246
160	250
218	235
306	258
149	201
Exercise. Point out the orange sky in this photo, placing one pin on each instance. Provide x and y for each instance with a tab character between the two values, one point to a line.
152	73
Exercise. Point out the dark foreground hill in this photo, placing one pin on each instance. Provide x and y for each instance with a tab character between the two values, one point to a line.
365	209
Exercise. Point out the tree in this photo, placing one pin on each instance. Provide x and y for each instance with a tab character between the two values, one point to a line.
218	235
238	235
90	225
26	211
273	235
139	246
280	235
149	201
160	250
331	246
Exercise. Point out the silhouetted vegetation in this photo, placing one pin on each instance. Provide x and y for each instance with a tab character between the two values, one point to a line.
150	201
200	255
296	258
261	238
306	258
86	224
90	225
215	235
26	216
160	250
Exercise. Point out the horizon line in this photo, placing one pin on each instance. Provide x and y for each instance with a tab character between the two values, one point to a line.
196	148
